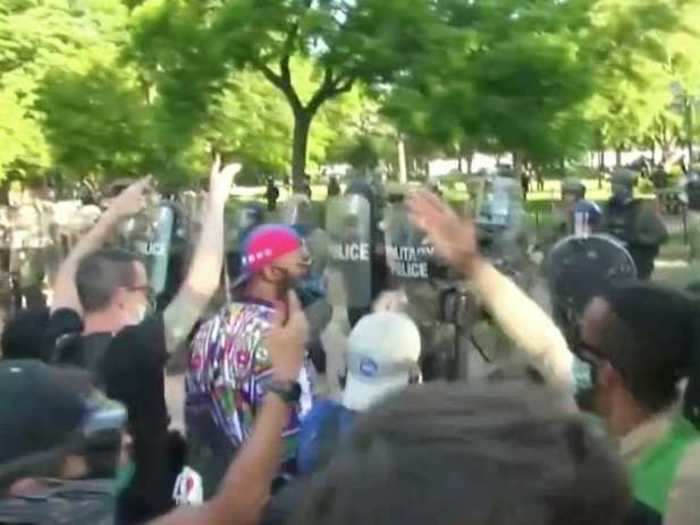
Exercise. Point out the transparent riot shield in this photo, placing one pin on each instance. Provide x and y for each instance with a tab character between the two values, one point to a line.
238	223
577	268
408	252
349	274
150	235
297	212
498	211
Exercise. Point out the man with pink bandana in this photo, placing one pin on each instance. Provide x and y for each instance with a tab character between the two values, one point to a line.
229	369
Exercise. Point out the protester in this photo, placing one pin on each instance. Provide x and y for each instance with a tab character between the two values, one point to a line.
245	488
384	349
229	364
641	341
61	446
127	350
22	336
453	454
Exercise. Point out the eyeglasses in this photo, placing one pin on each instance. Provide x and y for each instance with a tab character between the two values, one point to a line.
148	292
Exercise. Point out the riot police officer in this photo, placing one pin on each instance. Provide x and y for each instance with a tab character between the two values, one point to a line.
634	222
692	190
582	215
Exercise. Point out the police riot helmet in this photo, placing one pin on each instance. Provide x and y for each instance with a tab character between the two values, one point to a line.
573	186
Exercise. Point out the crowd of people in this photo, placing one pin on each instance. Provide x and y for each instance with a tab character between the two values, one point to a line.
82	399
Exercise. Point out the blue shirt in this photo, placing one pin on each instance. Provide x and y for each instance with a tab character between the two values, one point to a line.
591	208
321	431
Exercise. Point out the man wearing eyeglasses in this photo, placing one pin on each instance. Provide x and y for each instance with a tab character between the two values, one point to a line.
104	296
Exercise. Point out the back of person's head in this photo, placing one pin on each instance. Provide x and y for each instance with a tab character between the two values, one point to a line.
651	336
383	352
23	334
100	274
454	454
51	414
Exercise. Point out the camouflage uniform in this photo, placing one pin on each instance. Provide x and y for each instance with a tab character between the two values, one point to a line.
635	223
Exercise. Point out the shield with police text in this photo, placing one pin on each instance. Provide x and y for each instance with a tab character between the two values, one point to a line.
150	235
578	268
349	273
408	252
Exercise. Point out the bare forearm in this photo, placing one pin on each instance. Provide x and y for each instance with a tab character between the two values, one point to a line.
246	487
525	323
65	293
202	277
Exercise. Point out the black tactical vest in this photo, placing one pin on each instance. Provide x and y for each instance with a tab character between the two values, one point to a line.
89	502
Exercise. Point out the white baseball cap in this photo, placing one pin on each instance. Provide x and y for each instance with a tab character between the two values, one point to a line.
383	352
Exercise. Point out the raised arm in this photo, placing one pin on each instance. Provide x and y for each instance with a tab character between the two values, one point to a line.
246	487
128	202
205	270
527	325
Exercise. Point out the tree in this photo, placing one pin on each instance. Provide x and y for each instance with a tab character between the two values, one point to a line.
539	78
345	42
38	40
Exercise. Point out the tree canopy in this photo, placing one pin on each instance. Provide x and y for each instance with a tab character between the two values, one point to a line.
102	88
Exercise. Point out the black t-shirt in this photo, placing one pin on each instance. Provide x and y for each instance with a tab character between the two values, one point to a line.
130	369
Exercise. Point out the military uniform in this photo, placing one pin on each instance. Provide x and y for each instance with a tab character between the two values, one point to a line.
29	241
692	189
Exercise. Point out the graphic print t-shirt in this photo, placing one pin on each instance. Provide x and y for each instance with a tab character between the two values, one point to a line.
229	368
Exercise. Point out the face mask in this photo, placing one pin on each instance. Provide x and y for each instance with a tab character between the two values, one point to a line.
584	384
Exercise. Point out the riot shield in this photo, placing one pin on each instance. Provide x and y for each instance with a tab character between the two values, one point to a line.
150	234
298	213
349	271
408	252
499	215
238	223
577	268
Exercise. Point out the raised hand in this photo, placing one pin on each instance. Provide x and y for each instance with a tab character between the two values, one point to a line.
286	342
221	179
132	200
453	238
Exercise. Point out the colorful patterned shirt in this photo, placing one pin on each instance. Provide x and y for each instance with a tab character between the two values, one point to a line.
228	370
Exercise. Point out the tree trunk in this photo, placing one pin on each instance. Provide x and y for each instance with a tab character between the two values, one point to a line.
618	156
459	162
470	162
403	170
302	127
517	164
